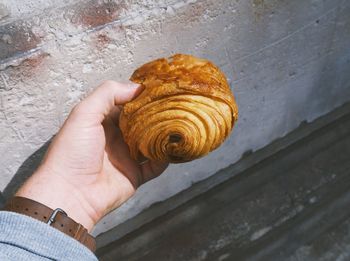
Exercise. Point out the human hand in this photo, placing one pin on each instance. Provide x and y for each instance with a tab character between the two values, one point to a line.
87	170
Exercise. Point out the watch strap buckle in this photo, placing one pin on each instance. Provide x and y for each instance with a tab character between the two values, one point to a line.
53	215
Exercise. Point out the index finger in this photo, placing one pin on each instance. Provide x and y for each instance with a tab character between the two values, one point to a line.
105	97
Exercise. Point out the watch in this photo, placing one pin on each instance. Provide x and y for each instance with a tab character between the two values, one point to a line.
56	218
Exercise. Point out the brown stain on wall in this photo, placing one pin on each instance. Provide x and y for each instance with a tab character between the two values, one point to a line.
16	39
29	67
102	40
35	61
95	13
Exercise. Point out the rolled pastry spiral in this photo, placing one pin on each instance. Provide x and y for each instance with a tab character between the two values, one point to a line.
185	111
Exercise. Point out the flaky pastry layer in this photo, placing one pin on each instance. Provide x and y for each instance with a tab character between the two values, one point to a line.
185	111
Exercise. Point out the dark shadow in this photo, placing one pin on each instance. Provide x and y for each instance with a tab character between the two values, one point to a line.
25	171
2	200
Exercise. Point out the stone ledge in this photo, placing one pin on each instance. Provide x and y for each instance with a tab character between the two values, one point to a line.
188	205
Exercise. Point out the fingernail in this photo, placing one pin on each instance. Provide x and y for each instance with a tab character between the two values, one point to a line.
133	85
139	89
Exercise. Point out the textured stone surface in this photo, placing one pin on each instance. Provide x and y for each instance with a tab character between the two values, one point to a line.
281	58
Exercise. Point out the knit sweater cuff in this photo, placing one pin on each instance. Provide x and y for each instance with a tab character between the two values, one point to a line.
29	236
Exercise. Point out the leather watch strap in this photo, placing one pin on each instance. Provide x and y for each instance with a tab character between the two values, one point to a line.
56	218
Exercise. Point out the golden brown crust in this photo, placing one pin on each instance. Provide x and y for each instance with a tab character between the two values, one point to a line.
185	111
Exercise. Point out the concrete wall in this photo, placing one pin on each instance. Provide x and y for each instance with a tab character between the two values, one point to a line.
287	62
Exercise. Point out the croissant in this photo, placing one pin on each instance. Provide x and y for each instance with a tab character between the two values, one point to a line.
185	111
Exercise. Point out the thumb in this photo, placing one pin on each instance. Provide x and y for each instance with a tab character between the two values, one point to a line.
105	97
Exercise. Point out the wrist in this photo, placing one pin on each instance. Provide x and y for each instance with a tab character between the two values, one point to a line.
55	192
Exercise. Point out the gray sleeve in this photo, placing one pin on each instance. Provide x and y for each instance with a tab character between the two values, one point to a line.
25	238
